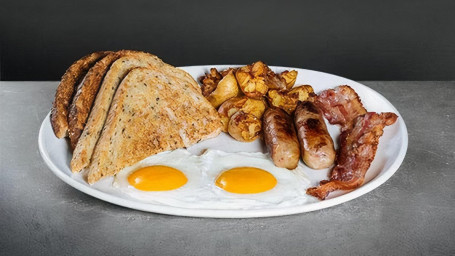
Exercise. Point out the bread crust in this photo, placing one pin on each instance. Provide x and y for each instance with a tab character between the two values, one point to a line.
85	96
151	112
65	91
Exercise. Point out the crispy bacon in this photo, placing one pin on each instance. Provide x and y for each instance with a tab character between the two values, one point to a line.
340	105
357	151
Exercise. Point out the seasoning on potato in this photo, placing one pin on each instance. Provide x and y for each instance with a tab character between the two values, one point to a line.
245	90
252	78
242	103
289	77
244	127
219	90
288	100
210	81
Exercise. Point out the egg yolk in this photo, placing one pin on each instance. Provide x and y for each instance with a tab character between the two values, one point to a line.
157	178
246	180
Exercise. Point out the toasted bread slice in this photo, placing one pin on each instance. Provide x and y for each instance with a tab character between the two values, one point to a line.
151	112
87	141
85	96
90	135
65	90
86	92
166	68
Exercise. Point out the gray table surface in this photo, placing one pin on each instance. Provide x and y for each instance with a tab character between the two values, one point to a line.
413	213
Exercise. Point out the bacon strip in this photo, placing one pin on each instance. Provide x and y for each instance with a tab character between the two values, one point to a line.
340	105
357	151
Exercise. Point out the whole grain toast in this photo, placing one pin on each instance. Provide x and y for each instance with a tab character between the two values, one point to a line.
118	70
151	112
65	91
85	96
159	64
95	122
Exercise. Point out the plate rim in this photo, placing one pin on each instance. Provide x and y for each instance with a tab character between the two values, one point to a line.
226	213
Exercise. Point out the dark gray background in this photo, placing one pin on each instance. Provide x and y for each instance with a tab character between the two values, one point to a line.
362	40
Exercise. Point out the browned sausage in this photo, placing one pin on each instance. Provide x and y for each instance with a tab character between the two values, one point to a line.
280	138
316	145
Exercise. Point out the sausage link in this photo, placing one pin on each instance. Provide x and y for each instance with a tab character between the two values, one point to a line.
316	145
280	138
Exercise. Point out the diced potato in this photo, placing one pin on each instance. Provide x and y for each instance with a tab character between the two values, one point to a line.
277	99
301	93
228	108
227	88
288	100
255	107
275	82
289	77
251	80
256	79
210	81
243	103
227	71
244	127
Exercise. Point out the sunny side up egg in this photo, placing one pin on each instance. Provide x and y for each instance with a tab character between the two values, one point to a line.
213	180
157	178
246	180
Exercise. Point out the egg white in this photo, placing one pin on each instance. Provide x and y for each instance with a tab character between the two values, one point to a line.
201	192
179	159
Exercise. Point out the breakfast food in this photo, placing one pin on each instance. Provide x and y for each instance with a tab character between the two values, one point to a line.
358	148
95	123
157	178
289	78
287	100
133	114
256	79
100	103
340	105
215	180
316	145
251	80
210	81
280	138
218	88
247	105
360	133
118	70
246	180
244	127
151	112
241	109
65	90
85	96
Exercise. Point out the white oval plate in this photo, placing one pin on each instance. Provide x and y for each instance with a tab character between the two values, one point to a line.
390	154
